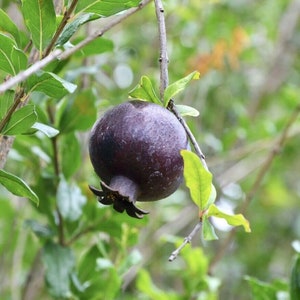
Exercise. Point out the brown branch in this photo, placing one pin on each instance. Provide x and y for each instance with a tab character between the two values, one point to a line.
186	240
61	27
257	183
163	56
23	75
172	107
164	81
6	143
58	54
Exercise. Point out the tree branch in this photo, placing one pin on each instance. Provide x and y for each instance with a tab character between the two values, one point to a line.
7	142
23	75
163	56
60	28
189	133
164	81
59	54
186	240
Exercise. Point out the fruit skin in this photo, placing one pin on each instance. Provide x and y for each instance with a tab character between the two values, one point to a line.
135	150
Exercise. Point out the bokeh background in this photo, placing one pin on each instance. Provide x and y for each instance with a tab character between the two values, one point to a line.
247	54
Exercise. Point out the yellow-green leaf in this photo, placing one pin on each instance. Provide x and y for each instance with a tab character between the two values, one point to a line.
17	186
208	231
145	91
176	87
234	220
197	178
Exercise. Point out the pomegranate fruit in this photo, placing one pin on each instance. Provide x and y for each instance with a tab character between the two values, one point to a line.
135	150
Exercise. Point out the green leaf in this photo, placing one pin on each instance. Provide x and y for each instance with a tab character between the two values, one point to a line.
70	200
70	154
17	186
12	59
148	288
73	26
261	290
21	121
208	231
50	84
186	110
234	220
46	129
79	114
105	8
40	230
6	100
96	47
212	196
295	279
176	87
59	263
145	91
40	19
197	178
7	25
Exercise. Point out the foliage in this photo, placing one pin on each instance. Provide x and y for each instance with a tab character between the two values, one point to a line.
61	244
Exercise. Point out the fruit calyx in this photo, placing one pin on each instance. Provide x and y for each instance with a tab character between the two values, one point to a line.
122	194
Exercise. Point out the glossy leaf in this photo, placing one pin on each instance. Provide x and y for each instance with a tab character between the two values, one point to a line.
6	100
73	26
7	25
234	220
40	19
21	121
186	110
59	263
46	129
70	154
145	91
12	59
79	113
261	290
295	279
70	200
208	231
17	186
176	87
97	46
50	84
197	179
105	8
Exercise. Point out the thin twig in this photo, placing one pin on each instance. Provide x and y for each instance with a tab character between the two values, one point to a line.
80	234
186	240
18	96
56	165
23	75
59	54
172	107
257	183
163	57
60	28
164	81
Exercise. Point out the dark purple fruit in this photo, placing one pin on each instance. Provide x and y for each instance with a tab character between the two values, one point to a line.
135	150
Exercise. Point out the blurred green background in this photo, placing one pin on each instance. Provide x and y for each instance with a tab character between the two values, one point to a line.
247	54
